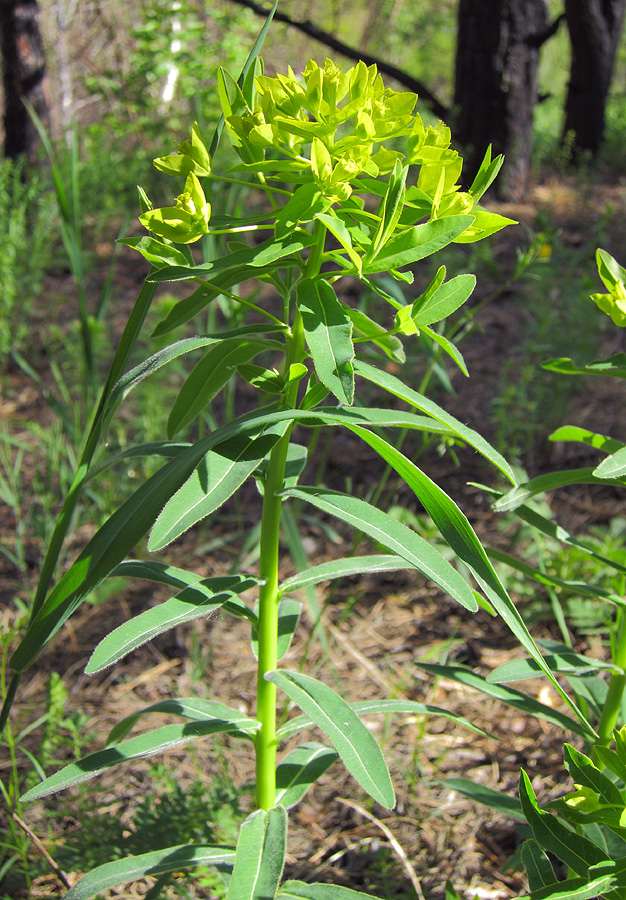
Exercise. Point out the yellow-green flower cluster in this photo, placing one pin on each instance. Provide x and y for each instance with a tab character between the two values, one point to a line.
614	277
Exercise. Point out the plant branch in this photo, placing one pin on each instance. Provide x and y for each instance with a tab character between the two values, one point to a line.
55	868
329	40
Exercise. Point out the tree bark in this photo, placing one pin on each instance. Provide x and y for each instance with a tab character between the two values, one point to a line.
594	27
23	72
496	84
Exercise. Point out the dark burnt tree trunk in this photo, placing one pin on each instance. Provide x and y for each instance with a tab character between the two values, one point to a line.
496	83
23	71
594	27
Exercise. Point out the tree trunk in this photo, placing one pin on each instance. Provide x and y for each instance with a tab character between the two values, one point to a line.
594	27
496	84
23	71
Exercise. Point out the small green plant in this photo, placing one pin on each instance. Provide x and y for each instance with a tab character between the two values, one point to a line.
332	153
589	834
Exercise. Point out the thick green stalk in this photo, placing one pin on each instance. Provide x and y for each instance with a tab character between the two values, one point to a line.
617	684
268	567
268	594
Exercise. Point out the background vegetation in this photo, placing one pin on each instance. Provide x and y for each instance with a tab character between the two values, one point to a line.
63	301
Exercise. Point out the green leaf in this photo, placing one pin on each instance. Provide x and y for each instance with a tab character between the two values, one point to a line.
484	224
513	698
339	230
193	708
119	534
549	482
390	209
546	526
355	745
393	535
371	707
288	617
342	568
210	375
613	466
584	772
611	761
417	243
270	251
307	202
260	855
194	601
447	346
328	332
396	387
157	741
444	301
157	862
243	81
564	664
156	252
377	334
460	536
300	890
486	174
222	471
151	570
538	867
615	366
573	849
299	770
508	806
584	436
576	587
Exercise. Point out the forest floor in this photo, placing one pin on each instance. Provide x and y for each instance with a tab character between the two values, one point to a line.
395	622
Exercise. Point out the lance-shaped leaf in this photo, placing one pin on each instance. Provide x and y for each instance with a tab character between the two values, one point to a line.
577	587
615	366
576	851
584	436
343	568
447	346
390	209
417	243
194	708
514	698
549	482
339	230
210	375
300	890
566	663
155	863
106	550
222	471
264	254
300	769
157	741
443	301
393	535
508	806
151	570
386	707
367	329
613	466
140	372
396	387
356	746
328	332
552	529
156	252
260	856
584	772
538	867
194	601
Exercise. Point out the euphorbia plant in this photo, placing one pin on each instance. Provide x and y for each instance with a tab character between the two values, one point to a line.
352	184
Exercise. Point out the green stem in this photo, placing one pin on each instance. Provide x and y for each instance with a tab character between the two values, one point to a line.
617	684
268	593
267	629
